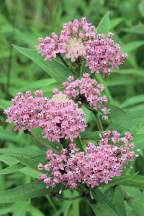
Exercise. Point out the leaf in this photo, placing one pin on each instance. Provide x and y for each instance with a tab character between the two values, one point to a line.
24	192
115	22
6	210
75	205
116	197
139	161
54	69
35	212
120	119
137	206
132	101
90	135
20	208
30	172
4	104
22	152
141	8
8	160
132	45
38	85
12	137
138	29
103	206
11	169
104	25
136	71
129	180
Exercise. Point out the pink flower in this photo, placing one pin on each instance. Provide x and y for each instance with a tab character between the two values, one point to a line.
95	165
61	118
87	91
71	41
102	54
58	118
25	111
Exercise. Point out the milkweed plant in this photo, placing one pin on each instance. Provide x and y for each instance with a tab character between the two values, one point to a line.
73	160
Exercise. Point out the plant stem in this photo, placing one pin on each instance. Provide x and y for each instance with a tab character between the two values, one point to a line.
107	92
65	63
69	198
43	143
51	203
127	197
98	120
99	123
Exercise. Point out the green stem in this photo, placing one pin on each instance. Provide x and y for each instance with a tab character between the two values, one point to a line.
107	92
98	120
99	123
69	198
51	203
43	143
65	63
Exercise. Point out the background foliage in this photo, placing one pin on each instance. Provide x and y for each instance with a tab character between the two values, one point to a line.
21	23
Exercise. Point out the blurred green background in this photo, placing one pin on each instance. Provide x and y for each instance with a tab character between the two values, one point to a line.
21	23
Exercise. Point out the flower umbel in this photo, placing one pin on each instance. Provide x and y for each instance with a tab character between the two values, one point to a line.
97	164
71	41
58	117
87	91
102	54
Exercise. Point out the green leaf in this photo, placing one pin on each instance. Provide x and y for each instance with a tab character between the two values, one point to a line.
90	135
104	25
20	208
141	8
116	197
24	192
103	206
9	136
5	211
39	84
135	71
138	29
139	162
8	160
137	206
11	169
133	181
132	101
54	69
30	172
115	22
132	45
35	212
120	119
4	104
75	205
22	152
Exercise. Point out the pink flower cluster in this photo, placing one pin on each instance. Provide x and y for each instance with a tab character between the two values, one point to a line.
71	41
102	54
87	91
61	118
58	117
97	164
25	110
